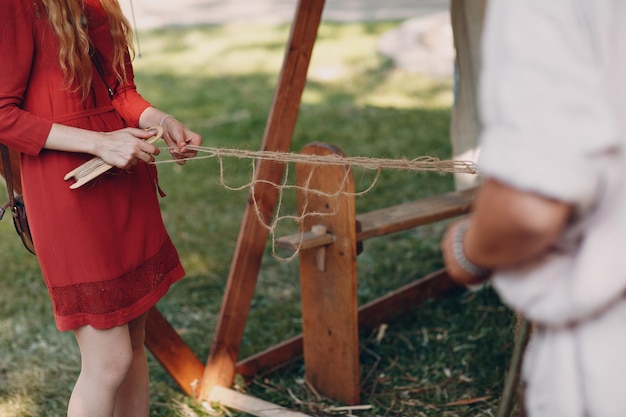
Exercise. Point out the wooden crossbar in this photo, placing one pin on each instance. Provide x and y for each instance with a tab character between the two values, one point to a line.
391	219
417	213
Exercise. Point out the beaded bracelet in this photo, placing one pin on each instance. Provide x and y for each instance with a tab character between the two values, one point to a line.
459	253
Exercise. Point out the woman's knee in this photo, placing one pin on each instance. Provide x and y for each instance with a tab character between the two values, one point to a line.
107	355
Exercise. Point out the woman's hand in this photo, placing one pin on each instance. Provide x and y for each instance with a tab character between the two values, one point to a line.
178	138
124	148
121	148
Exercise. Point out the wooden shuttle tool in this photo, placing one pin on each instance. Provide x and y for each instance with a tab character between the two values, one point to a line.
96	166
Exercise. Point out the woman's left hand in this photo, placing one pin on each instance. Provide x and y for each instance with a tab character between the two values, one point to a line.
179	139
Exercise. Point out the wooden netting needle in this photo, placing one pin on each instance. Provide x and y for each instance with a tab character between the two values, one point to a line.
96	166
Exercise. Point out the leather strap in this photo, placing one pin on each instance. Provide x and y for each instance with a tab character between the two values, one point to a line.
8	176
98	65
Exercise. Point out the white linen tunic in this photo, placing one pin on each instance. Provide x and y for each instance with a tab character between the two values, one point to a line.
553	102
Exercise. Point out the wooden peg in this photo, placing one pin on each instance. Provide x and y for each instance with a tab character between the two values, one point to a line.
96	166
320	253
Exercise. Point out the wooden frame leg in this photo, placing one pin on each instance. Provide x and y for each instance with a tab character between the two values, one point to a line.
220	367
173	353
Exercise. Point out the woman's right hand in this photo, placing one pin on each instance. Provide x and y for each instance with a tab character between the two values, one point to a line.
125	147
121	148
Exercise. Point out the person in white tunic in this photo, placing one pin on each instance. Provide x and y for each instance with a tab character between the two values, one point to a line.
548	227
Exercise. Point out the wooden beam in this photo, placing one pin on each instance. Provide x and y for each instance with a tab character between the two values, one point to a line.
406	298
173	353
220	367
303	241
391	219
271	358
383	309
417	213
250	405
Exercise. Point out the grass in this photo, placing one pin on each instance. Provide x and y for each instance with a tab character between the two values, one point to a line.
220	80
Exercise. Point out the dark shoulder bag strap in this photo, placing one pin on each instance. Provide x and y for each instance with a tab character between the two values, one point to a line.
8	176
98	65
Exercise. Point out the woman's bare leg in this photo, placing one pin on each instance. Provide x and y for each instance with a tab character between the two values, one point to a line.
133	398
106	357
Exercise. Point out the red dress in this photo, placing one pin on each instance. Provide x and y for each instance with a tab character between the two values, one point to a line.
103	249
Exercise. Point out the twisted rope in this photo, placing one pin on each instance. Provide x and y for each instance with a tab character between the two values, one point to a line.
421	164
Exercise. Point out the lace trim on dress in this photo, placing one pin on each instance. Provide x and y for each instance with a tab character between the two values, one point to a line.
109	296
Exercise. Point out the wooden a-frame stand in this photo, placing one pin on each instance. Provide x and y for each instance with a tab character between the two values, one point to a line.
328	266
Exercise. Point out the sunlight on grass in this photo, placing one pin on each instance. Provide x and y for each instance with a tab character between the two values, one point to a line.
17	406
206	51
343	56
403	91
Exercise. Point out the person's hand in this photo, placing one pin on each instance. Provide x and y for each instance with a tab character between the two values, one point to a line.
179	138
125	147
453	240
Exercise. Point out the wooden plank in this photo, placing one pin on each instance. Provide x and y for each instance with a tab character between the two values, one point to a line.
220	369
406	216
328	279
381	310
173	353
406	298
271	358
392	219
250	405
303	241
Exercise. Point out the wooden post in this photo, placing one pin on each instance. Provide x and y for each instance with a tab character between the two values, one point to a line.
328	279
220	367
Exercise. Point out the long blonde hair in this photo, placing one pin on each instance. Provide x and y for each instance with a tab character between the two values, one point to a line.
66	18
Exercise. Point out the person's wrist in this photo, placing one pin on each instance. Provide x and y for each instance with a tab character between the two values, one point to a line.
93	142
458	251
164	118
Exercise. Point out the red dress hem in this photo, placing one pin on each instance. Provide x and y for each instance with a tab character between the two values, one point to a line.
120	317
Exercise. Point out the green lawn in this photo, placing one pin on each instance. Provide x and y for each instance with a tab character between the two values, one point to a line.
220	80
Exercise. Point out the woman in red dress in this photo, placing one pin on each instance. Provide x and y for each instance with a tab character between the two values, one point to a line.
104	252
